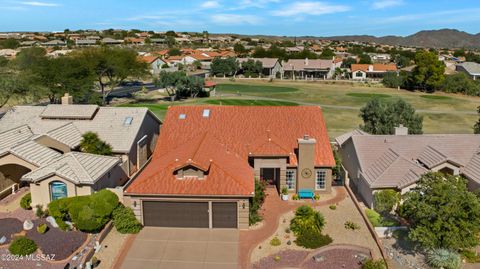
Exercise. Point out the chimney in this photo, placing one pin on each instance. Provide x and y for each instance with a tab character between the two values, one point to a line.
306	61
67	99
306	163
401	130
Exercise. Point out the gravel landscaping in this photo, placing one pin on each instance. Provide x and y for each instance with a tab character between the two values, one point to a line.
328	259
336	258
9	227
288	258
55	241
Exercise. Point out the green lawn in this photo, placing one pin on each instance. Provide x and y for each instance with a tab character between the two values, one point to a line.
443	113
341	103
248	102
368	95
243	88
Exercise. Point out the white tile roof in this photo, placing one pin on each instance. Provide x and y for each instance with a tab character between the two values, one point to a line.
34	153
397	161
79	168
66	112
67	134
13	137
108	123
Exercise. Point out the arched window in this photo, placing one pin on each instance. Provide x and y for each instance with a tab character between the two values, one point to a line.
58	190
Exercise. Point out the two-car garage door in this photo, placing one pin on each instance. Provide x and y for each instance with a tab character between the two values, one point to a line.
189	214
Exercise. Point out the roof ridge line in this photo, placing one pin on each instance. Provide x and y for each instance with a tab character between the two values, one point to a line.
81	166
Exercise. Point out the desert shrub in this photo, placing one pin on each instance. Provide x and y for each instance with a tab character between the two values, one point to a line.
333	207
307	218
40	213
89	213
42	228
378	220
26	201
276	258
374	264
385	200
22	246
350	225
316	197
125	221
373	216
444	258
295	197
310	238
470	256
275	242
287	230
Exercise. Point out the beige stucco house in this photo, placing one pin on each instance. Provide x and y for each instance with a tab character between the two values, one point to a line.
378	162
37	139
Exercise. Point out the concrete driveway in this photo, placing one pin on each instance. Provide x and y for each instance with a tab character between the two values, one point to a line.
170	248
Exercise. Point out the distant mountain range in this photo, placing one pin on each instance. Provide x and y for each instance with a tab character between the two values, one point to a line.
444	38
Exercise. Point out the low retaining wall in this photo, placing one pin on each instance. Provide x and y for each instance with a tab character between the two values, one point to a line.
371	229
90	250
383	232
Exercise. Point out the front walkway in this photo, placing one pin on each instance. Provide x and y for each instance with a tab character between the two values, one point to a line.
272	209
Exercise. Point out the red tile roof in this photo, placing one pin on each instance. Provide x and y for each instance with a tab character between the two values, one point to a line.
221	144
375	67
148	59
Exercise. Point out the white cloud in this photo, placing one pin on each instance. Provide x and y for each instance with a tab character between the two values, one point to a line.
310	8
210	4
382	4
38	4
235	19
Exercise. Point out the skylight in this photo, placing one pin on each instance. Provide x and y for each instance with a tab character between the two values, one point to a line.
128	121
206	113
182	116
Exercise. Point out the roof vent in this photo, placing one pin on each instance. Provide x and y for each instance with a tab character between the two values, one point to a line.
182	116
306	137
206	113
128	121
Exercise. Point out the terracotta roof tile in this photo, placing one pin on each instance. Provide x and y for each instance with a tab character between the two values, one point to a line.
221	143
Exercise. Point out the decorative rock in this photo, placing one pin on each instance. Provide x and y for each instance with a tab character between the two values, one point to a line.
70	225
27	225
51	220
3	240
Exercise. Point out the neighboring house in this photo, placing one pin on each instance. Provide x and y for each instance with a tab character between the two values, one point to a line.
207	159
310	68
372	71
380	57
111	41
378	162
271	66
470	68
29	43
54	43
39	137
135	41
8	53
154	62
85	42
158	41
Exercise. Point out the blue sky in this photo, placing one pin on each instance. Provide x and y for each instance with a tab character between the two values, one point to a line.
276	17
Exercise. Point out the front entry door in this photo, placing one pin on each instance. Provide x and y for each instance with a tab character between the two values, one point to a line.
271	176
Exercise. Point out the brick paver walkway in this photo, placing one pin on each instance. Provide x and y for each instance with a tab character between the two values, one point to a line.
272	209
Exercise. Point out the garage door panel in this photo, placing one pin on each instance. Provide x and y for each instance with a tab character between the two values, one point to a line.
224	215
175	214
